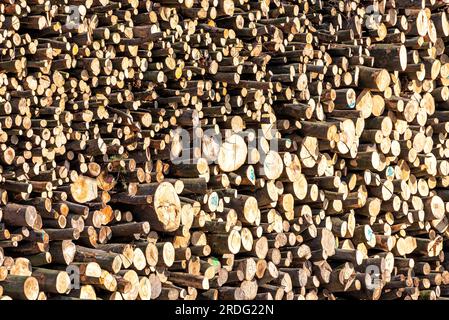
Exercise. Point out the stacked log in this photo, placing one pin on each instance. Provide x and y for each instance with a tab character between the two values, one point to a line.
249	150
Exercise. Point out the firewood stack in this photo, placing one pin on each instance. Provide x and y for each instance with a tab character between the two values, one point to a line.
224	149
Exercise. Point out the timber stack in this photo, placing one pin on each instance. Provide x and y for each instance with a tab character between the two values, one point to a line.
224	149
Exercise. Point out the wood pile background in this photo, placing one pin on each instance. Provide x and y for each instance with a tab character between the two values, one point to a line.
331	181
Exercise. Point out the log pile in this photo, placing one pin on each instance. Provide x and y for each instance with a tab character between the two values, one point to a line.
224	149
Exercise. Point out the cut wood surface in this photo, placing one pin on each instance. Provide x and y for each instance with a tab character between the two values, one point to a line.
224	149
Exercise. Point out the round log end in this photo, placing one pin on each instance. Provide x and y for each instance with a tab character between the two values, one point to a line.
234	241
167	207
31	288
62	282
